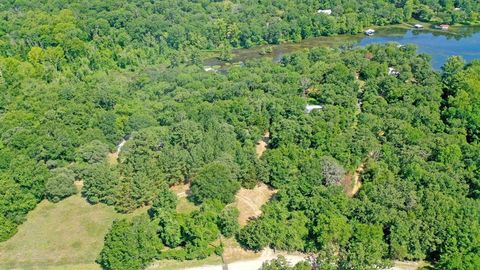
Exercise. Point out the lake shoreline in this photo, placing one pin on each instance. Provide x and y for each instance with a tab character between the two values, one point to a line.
393	32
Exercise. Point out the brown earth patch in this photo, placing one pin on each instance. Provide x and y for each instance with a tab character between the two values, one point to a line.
249	201
232	251
261	146
352	182
182	190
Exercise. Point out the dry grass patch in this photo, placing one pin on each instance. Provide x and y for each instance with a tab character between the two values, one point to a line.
112	158
185	206
249	201
65	235
233	252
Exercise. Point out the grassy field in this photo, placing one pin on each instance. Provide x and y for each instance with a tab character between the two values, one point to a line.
66	235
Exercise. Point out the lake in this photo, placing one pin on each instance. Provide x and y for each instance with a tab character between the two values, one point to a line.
463	41
439	44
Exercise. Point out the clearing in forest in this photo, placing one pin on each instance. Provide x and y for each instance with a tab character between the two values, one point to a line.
232	251
112	158
261	146
64	235
182	191
351	183
249	201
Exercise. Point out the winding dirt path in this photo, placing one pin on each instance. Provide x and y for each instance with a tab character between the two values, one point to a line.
353	182
356	184
113	157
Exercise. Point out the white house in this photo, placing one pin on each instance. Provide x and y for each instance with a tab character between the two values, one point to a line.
309	108
324	11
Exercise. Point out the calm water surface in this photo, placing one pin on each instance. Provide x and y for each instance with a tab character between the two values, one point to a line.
439	44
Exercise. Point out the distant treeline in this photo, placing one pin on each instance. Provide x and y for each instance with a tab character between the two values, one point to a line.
121	33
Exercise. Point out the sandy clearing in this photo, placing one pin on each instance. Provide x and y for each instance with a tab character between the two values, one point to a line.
249	201
233	252
182	190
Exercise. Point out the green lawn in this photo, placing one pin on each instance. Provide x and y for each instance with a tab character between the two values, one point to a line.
69	236
66	235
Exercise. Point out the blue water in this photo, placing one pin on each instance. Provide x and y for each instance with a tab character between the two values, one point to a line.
437	44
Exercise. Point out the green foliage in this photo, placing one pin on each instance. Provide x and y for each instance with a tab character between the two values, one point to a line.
169	229
99	183
282	264
366	249
7	228
464	91
130	245
92	152
60	185
78	77
228	221
166	200
14	205
214	181
30	175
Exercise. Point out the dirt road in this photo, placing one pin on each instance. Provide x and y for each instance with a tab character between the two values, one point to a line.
253	264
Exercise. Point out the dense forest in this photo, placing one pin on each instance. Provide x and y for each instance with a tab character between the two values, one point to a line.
78	77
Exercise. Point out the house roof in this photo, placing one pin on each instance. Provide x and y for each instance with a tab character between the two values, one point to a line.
310	107
324	11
